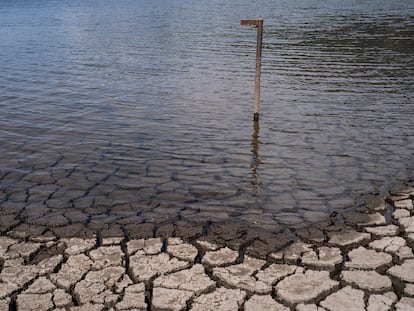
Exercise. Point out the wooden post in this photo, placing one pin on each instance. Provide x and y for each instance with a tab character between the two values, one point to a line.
257	23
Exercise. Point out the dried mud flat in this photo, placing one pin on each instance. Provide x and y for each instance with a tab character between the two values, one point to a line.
364	263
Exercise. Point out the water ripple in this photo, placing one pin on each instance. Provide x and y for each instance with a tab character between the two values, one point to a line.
151	102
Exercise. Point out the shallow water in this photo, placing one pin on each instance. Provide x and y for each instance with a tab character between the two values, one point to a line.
121	108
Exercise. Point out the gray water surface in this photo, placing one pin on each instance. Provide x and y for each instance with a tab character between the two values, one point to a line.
144	108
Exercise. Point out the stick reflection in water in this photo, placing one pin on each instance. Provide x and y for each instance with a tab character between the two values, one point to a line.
256	158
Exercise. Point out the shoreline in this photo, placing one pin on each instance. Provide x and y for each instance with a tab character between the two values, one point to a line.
366	262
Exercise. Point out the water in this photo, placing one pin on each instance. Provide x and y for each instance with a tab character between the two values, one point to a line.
119	109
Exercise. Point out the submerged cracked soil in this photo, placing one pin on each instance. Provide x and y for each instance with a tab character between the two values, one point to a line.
365	264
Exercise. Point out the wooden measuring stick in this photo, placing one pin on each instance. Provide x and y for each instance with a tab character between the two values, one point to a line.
257	23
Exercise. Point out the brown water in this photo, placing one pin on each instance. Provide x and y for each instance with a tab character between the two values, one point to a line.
111	110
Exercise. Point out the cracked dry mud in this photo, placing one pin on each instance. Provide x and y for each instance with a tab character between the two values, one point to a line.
360	267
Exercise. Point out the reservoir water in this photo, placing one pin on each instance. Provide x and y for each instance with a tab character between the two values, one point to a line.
114	110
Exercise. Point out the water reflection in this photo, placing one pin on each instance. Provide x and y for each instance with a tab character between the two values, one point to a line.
140	102
256	157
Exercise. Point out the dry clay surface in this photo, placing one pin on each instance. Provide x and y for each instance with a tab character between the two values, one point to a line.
366	267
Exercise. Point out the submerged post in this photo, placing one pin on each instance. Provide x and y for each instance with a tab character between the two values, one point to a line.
257	23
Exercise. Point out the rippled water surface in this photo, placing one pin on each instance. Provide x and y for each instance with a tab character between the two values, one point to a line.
144	108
